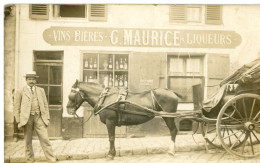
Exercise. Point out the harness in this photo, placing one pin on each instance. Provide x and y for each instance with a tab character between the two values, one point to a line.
121	102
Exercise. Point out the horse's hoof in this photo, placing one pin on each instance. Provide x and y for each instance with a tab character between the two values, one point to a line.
110	157
171	153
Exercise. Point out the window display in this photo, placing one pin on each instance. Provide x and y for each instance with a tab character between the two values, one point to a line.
108	69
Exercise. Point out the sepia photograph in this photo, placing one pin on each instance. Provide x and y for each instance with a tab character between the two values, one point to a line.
111	82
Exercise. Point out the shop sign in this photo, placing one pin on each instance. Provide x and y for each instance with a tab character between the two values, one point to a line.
131	37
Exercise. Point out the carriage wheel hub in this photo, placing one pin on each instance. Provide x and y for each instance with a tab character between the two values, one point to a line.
249	126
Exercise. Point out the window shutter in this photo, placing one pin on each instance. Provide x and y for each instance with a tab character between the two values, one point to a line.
213	14
39	11
97	12
177	13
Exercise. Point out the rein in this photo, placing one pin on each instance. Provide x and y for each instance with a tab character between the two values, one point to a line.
78	105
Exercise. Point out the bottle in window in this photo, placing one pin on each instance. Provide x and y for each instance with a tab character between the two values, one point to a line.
121	66
86	63
110	80
125	81
95	63
91	63
125	64
106	81
86	78
116	81
90	78
117	65
110	64
121	81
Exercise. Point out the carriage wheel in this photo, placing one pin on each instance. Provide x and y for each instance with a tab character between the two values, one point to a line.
241	115
209	133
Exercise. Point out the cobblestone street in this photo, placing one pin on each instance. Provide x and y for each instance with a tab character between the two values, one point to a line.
145	149
211	156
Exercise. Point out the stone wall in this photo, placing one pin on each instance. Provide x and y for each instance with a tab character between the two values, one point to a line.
9	70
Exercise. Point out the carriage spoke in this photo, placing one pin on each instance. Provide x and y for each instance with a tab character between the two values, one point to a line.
232	118
256	115
244	107
224	132
235	134
252	147
237	111
211	130
214	138
238	140
243	145
252	110
229	138
232	134
255	136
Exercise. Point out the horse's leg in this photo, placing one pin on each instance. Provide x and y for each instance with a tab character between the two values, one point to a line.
173	131
111	134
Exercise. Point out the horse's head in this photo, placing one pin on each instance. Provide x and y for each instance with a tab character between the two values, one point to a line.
76	98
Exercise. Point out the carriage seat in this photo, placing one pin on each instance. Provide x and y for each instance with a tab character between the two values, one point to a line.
210	103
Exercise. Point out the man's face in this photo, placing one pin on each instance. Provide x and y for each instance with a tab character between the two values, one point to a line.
31	81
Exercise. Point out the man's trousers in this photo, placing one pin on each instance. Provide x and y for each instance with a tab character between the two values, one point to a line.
36	123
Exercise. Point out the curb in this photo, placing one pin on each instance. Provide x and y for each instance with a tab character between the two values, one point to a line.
120	153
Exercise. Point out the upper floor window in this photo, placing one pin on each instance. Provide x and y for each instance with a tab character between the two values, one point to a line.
77	11
194	14
185	14
93	12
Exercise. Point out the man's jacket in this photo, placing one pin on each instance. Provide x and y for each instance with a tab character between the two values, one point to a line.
22	105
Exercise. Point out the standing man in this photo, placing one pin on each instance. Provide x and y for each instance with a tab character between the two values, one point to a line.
31	111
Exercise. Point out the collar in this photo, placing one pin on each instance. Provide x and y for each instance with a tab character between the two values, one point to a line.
33	87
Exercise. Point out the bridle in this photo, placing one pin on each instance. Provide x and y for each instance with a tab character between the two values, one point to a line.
83	98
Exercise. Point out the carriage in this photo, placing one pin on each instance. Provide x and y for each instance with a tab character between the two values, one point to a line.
230	119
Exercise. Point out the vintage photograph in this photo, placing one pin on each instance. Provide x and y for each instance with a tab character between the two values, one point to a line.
131	83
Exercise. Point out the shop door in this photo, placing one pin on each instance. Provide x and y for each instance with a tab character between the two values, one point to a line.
50	79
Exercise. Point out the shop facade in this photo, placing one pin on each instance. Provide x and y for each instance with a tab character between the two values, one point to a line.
180	47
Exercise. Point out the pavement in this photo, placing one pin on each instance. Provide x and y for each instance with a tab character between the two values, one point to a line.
95	148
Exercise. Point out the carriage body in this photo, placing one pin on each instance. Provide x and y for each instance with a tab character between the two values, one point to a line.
231	118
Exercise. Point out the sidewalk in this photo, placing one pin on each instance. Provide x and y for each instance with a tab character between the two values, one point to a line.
91	148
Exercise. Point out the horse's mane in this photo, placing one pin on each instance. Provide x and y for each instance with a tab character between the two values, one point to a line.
91	84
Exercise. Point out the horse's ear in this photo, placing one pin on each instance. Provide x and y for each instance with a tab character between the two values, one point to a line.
75	84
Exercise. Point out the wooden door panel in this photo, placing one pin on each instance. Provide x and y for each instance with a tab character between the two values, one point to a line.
54	128
95	128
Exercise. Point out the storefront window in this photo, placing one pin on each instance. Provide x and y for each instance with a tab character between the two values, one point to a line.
183	73
107	69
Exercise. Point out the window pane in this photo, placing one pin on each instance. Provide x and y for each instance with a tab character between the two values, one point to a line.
48	55
42	72
193	14
72	11
176	65
55	95
46	91
183	86
193	65
55	75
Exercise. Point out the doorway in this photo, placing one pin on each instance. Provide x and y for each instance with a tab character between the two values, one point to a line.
49	67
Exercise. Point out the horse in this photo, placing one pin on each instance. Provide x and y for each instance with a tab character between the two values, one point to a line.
131	113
